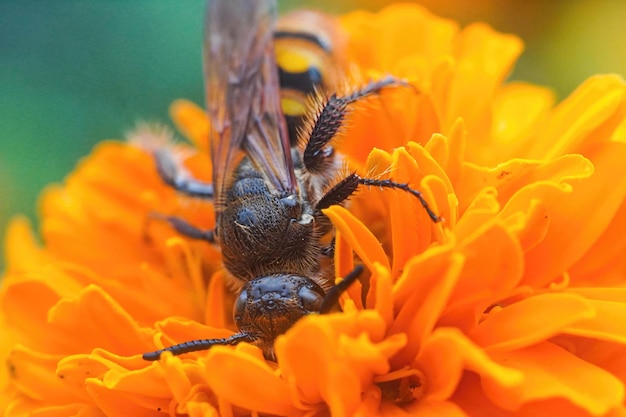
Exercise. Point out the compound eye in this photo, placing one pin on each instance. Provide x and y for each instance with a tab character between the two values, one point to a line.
240	306
311	299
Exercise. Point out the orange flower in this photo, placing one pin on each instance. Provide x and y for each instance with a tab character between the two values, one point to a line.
515	305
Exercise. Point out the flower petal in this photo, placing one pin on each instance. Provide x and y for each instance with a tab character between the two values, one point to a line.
23	250
360	238
343	351
552	372
510	127
609	322
264	391
471	398
584	110
543	263
430	408
510	176
112	404
422	293
485	58
32	373
447	353
529	316
191	120
604	263
493	257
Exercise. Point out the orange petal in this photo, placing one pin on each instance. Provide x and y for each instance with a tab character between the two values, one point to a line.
33	374
457	137
215	315
370	403
482	209
606	355
411	234
381	287
447	353
66	410
264	391
511	127
192	121
149	381
335	345
21	248
428	281
531	223
551	372
485	58
584	110
436	181
99	321
344	264
529	316
609	322
601	293
471	398
360	238
604	263
395	23
543	263
26	305
112	403
421	273
439	149
510	176
493	255
427	163
428	407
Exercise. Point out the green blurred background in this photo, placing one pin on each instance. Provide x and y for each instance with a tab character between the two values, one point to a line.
74	72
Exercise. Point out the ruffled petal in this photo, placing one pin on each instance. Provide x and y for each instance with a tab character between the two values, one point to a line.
543	262
495	332
264	390
447	353
551	372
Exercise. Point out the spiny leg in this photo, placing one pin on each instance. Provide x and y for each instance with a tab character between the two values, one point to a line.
178	178
185	228
346	187
317	153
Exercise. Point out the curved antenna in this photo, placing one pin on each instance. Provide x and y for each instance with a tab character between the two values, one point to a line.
332	296
197	345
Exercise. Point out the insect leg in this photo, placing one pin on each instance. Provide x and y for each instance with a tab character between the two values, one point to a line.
197	345
346	187
330	119
186	229
178	178
332	296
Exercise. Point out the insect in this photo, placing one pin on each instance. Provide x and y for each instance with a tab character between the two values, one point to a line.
307	48
268	191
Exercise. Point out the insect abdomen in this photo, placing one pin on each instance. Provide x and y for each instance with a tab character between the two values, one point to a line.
306	45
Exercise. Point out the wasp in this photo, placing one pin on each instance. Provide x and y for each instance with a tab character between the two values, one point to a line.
270	182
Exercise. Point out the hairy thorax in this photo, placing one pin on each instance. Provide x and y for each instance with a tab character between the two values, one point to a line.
262	233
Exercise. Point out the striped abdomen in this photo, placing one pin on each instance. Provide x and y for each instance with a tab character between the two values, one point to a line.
307	48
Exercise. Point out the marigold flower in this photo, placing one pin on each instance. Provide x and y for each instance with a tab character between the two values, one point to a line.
514	305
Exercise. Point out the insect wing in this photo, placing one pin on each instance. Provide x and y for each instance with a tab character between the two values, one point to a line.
242	91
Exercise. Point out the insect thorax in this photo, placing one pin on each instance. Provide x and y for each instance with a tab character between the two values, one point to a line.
262	233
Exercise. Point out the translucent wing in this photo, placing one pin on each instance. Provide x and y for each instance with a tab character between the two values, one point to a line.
243	94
